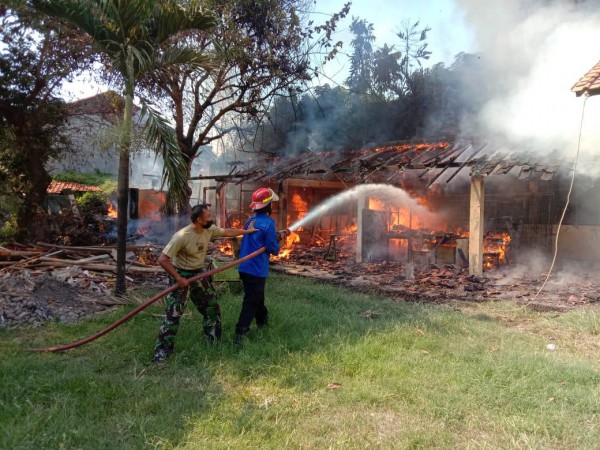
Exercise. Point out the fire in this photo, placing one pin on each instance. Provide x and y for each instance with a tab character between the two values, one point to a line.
376	205
288	247
497	243
299	205
351	229
112	212
225	248
418	147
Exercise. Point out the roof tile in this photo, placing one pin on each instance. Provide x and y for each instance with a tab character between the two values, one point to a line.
57	187
589	83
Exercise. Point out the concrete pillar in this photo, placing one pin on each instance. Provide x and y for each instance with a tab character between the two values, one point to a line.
476	223
363	203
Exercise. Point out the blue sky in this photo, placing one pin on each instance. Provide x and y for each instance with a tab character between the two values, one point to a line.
449	35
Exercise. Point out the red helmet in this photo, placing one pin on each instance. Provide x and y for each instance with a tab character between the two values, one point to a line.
262	197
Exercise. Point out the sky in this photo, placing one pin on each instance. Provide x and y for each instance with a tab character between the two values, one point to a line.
450	33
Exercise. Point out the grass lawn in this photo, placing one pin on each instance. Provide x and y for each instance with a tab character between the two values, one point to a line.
321	376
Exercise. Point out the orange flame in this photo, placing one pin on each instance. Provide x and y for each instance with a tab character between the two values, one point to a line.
225	248
112	212
351	229
497	243
418	147
376	205
299	205
288	247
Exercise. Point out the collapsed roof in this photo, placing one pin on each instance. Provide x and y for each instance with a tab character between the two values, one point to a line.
386	162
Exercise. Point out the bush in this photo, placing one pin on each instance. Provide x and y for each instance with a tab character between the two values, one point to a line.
93	203
9	230
8	217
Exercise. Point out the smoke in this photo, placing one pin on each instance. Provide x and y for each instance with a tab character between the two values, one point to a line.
146	170
534	52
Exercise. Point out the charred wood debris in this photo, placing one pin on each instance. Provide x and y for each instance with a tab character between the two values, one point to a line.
44	282
435	283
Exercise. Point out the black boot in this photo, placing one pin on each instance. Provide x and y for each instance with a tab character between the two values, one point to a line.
238	339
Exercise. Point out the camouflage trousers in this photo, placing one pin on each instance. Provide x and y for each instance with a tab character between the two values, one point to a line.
203	296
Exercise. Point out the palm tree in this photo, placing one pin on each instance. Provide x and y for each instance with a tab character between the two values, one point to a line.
136	39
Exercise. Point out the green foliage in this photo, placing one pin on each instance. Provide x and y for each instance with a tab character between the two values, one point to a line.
430	103
161	137
8	230
412	376
361	60
36	56
9	207
92	203
265	49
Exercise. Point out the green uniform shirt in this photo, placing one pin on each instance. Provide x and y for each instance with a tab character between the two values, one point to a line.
187	248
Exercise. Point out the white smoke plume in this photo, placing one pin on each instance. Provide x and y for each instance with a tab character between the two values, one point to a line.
536	50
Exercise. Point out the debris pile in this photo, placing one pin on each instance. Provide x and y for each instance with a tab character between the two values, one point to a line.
50	282
67	295
441	283
140	258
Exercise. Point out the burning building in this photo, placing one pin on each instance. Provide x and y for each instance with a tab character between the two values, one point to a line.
465	202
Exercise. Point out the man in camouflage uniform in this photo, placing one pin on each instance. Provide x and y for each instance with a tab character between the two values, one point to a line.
182	258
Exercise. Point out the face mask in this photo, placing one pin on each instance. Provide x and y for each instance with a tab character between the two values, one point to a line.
208	224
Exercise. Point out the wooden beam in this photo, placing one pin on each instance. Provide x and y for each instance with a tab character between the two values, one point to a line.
221	212
476	223
295	182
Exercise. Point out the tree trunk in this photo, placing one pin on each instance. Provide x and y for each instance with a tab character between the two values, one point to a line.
185	209
123	193
34	197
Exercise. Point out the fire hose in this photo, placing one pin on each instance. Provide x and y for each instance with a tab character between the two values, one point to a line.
157	297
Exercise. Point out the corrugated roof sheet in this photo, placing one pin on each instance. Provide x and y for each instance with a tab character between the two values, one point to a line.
589	83
58	187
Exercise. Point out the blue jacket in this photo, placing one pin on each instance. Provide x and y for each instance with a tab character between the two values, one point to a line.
265	237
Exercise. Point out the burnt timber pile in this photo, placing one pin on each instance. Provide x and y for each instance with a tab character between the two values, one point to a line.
67	283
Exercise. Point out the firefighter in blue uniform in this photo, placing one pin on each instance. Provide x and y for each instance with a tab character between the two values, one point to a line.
255	271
